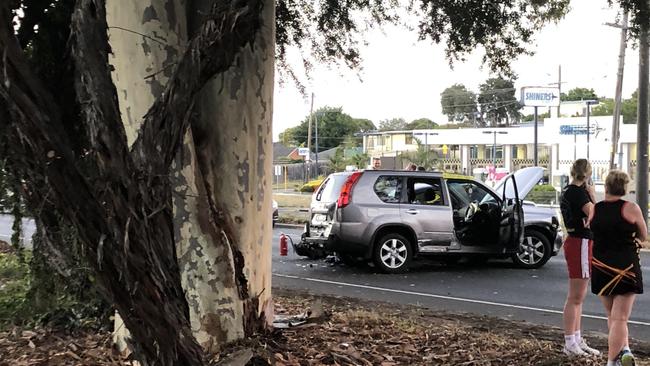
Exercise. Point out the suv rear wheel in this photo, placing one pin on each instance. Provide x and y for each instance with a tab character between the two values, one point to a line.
393	253
534	251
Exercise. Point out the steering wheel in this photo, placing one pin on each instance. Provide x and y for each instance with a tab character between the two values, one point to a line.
471	210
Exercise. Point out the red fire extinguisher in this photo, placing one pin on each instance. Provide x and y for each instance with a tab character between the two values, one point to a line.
284	248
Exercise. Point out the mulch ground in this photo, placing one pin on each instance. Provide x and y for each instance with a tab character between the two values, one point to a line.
341	331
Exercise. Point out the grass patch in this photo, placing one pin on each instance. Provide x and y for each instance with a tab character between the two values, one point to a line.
293	200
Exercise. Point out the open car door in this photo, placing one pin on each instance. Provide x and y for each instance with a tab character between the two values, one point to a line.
511	230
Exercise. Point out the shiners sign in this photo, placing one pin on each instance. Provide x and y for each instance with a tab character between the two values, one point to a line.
533	96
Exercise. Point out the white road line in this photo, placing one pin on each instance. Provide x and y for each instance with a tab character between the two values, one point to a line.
424	294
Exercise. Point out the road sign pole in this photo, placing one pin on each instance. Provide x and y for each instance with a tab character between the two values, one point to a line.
535	140
588	128
494	151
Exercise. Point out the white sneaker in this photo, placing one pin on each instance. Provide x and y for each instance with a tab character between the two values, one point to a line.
574	350
585	347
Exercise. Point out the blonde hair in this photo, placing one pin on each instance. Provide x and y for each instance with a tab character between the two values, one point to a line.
616	183
581	169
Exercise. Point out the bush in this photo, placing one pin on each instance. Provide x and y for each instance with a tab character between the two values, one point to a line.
14	286
312	185
543	193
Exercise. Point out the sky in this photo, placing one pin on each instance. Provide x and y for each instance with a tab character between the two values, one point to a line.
402	77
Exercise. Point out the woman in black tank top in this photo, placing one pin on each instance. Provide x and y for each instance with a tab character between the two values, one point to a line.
618	228
615	265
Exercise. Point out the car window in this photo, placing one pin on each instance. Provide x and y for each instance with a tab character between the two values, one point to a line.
465	192
388	188
425	191
330	189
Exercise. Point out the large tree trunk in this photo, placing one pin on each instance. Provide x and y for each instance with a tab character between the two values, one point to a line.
233	137
146	37
119	199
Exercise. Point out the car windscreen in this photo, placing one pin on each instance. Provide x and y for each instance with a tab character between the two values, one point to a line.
330	189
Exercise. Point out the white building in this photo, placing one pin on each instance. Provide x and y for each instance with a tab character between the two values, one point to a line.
560	142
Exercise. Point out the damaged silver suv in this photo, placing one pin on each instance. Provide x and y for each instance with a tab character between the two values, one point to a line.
391	217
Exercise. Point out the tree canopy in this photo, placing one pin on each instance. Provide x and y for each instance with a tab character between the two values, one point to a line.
498	103
628	108
576	94
421	124
332	31
392	124
334	126
458	103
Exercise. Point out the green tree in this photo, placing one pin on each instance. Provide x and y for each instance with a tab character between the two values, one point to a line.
458	103
422	156
628	108
364	124
333	127
421	124
392	124
498	103
361	161
578	94
337	162
531	117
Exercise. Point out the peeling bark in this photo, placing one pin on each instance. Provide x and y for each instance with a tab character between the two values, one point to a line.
120	200
233	135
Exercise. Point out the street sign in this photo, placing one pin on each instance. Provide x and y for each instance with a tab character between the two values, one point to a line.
303	151
577	129
277	169
534	96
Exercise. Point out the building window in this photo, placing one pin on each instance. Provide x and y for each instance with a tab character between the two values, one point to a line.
371	142
408	140
489	149
514	152
473	152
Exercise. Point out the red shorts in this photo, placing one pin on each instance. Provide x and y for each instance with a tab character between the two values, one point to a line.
577	252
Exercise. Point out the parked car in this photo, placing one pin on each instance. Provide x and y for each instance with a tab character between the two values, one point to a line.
391	217
275	215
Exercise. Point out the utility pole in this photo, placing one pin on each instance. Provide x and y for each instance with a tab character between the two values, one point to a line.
316	141
308	158
559	90
642	110
535	147
588	127
619	90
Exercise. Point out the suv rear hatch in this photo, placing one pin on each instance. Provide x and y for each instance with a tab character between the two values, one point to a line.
323	204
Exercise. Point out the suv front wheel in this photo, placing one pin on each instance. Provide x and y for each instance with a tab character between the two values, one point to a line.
393	253
534	251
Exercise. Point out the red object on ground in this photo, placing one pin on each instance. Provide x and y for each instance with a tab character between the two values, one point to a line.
284	248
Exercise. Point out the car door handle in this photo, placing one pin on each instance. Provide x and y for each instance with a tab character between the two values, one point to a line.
412	212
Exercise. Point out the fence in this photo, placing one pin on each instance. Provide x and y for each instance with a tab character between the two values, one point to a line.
300	171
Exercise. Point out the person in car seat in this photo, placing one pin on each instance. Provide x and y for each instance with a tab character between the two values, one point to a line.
576	204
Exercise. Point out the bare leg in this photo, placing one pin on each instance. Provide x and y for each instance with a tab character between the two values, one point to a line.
621	309
573	304
608	301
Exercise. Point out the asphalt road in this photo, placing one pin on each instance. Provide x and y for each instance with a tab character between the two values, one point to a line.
496	288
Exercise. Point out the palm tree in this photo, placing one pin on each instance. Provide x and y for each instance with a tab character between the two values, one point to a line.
337	161
359	160
422	156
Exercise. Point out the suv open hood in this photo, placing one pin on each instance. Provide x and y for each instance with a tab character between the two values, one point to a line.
526	178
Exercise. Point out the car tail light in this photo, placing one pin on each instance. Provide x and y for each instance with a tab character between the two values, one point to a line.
346	191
